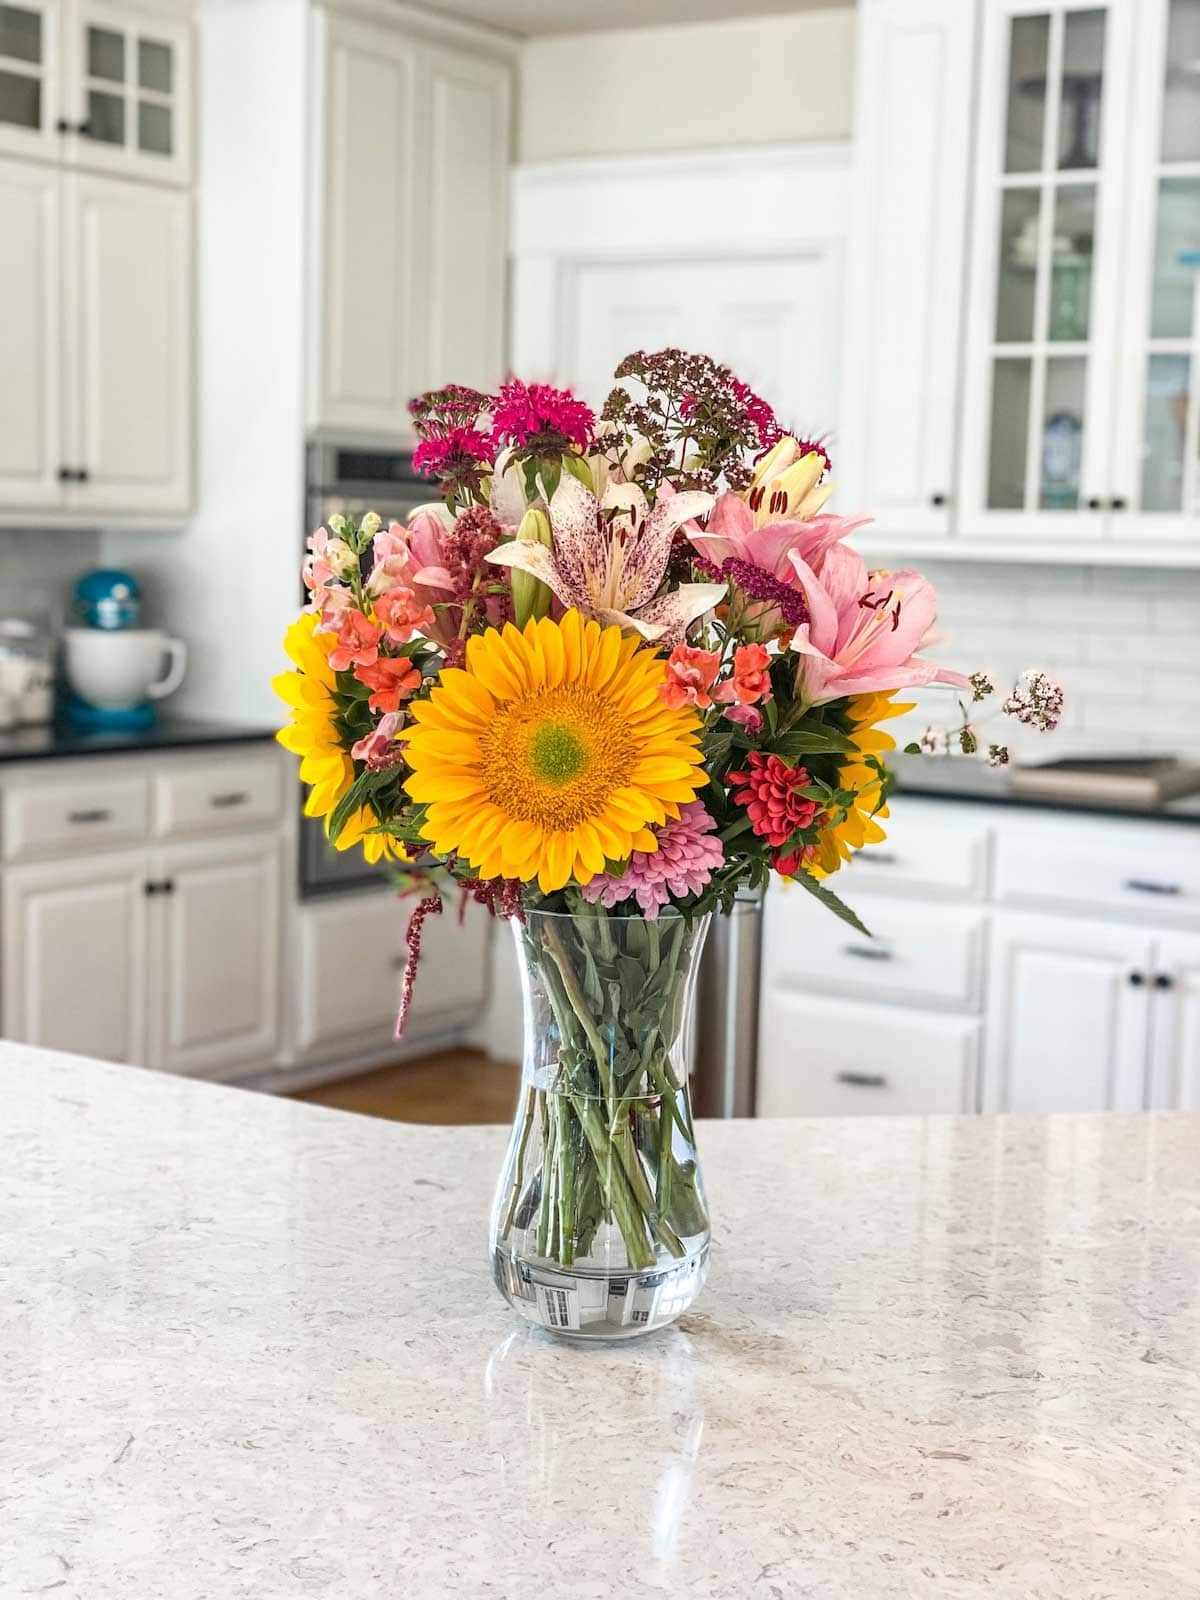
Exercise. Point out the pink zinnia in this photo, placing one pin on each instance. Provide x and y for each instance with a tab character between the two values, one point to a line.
522	410
684	862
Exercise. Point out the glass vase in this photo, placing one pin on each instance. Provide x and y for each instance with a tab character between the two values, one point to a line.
600	1226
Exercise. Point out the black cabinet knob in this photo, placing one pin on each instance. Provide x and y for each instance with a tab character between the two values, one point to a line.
1163	980
1118	503
938	500
1095	503
1137	979
64	474
81	475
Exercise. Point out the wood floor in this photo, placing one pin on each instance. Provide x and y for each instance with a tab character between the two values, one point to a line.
453	1086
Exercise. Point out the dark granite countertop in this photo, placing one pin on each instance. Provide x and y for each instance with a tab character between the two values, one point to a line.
59	739
960	778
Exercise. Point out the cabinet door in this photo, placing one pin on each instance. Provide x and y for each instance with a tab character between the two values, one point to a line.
1175	1009
31	391
368	243
1042	326
832	1057
1159	483
465	196
1068	1015
74	961
128	341
907	261
129	77
217	967
29	79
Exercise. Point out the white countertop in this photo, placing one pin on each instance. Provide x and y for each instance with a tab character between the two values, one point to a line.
251	1348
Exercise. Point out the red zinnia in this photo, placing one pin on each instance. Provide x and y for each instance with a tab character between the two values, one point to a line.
769	795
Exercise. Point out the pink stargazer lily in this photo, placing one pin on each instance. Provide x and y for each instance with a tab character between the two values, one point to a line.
864	629
734	533
609	558
413	557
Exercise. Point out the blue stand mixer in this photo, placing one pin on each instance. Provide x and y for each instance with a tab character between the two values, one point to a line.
114	665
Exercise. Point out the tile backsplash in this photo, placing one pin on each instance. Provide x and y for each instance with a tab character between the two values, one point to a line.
37	569
1124	643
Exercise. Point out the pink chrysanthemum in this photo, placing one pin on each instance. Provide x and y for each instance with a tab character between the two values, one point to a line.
521	411
687	855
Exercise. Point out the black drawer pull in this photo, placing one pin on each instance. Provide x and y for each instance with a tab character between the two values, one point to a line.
862	1080
869	952
1148	886
96	814
234	797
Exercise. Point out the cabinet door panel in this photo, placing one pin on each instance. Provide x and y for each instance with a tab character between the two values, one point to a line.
29	79
907	259
368	244
831	1057
129	345
1175	1056
75	956
1049	238
130	80
1068	1015
31	391
468	133
220	954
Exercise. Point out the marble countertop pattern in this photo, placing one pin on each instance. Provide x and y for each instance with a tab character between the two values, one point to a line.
250	1348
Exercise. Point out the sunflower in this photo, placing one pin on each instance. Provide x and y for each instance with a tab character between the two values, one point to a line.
860	825
313	735
551	752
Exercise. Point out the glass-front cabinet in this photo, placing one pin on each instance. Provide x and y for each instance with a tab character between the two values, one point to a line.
1158	433
96	86
1080	377
1046	270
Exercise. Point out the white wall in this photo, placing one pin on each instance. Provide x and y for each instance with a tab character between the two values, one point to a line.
229	584
757	80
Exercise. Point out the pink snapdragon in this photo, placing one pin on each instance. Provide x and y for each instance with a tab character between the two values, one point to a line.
380	748
688	854
751	680
390	679
402	614
357	639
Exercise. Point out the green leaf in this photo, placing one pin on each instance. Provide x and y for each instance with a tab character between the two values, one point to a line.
830	901
821	740
359	792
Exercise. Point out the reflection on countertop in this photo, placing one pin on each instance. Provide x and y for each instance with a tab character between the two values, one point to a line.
60	738
252	1348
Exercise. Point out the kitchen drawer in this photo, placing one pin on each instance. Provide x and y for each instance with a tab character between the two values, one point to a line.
238	791
931	851
49	818
820	1057
919	953
1147	870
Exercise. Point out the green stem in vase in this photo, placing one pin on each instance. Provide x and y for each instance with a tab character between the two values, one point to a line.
519	1170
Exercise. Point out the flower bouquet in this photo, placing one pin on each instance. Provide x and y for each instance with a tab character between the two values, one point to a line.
622	669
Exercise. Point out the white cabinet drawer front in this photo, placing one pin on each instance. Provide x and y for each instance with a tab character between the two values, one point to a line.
44	818
236	792
930	850
1150	870
918	953
823	1057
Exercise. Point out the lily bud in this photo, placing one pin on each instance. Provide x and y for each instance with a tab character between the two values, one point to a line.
531	597
342	561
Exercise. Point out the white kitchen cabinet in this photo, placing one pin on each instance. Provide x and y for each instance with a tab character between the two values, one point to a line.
30	72
907	261
841	1057
76	955
1175	1020
1068	1015
466	177
219	952
368	237
410	160
31	419
128	346
127	84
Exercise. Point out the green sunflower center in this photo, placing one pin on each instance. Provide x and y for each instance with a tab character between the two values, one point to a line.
556	754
